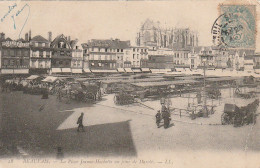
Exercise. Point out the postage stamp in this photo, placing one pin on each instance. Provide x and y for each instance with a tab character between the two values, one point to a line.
235	27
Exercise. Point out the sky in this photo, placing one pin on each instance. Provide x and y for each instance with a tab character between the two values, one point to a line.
87	20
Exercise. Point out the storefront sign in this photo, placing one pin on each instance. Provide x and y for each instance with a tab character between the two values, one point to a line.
15	44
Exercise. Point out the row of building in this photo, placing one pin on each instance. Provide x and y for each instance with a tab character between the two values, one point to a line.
157	48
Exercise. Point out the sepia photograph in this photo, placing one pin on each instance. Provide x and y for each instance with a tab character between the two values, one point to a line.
171	84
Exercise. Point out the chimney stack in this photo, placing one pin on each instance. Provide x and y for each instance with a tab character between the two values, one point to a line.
69	38
26	37
30	35
2	36
50	36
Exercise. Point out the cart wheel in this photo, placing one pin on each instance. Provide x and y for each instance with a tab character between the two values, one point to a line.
90	96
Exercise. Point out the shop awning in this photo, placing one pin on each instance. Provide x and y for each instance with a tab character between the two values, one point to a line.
32	77
145	69
66	70
76	70
128	70
120	70
21	71
50	79
86	70
56	70
155	70
179	69
7	71
103	70
136	70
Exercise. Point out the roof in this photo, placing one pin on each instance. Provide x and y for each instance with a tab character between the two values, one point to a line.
197	49
114	44
39	38
165	83
222	79
61	36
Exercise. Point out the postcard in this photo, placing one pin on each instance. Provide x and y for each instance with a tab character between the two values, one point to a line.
171	84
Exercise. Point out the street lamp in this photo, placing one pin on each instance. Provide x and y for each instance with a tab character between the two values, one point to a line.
205	109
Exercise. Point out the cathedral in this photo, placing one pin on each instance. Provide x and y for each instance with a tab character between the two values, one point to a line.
152	34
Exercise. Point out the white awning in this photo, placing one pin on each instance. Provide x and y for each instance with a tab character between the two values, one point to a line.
50	79
56	70
128	70
87	70
66	70
32	77
120	70
155	70
136	70
7	71
168	70
21	71
103	70
179	69
145	69
76	70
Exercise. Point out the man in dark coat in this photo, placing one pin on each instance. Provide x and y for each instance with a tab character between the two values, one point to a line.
80	122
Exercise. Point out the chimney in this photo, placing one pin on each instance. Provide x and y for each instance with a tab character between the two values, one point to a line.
50	36
68	38
30	35
26	37
2	36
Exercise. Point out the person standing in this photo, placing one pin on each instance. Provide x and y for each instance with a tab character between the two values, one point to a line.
158	118
80	123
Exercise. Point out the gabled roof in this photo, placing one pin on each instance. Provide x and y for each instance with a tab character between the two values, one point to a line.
61	36
39	38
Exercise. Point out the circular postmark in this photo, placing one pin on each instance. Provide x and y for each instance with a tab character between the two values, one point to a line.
235	28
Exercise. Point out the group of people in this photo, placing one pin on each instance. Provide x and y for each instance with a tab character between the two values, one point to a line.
164	114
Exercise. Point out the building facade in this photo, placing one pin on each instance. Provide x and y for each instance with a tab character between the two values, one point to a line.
15	56
40	55
61	55
77	57
135	56
104	54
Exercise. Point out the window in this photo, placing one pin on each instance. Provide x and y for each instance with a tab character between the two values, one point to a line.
133	56
117	50
40	44
19	53
60	62
99	49
92	49
47	54
134	49
106	50
122	50
141	50
41	54
36	44
5	52
137	56
105	57
99	57
12	53
6	62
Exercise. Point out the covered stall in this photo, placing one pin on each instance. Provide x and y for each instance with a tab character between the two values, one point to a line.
128	70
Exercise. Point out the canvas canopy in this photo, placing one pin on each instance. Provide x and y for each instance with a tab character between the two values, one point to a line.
50	79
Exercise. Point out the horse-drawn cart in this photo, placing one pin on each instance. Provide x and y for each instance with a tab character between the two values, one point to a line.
239	116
